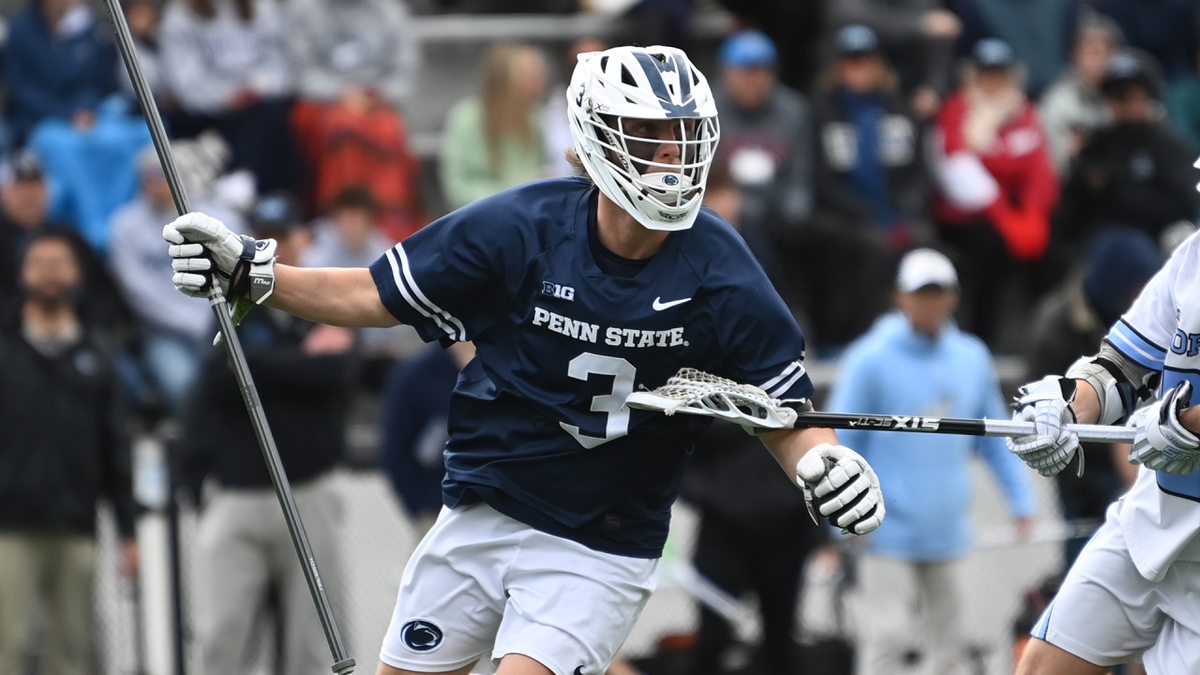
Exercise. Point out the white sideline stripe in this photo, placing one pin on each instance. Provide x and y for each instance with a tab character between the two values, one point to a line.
1118	332
766	386
404	291
778	391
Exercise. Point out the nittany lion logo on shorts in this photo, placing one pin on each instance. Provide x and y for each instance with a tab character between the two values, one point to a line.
421	636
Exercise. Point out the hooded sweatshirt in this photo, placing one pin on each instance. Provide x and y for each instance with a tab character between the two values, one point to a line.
926	479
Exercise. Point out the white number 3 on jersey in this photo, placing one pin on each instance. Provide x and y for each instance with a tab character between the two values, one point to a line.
612	404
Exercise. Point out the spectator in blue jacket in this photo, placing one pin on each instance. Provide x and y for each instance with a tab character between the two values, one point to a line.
917	362
59	63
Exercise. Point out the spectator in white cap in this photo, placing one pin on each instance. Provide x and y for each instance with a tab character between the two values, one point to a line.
917	362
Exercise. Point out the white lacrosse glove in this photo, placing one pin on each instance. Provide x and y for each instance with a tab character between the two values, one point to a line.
202	249
1162	443
839	484
1047	403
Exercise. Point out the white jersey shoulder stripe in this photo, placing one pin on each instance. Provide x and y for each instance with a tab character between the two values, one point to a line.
413	295
766	386
788	377
782	389
1135	346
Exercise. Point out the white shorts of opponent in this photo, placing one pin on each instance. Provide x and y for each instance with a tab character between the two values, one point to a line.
1107	613
482	583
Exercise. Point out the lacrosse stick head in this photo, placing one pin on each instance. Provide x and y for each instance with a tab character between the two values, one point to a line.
695	392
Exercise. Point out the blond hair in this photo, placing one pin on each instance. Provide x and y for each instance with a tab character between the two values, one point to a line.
506	110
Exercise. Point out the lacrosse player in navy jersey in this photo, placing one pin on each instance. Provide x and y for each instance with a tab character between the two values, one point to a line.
576	292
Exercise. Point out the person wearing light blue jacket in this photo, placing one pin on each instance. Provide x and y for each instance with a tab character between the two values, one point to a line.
917	362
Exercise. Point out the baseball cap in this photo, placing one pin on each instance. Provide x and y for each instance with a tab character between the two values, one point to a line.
1119	262
993	53
275	212
22	165
748	49
925	267
855	40
1126	68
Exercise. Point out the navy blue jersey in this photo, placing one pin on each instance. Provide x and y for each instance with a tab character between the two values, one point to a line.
537	425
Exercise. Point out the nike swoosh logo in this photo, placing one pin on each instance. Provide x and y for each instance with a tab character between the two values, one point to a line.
659	305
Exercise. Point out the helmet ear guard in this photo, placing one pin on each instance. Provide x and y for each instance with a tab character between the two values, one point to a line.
610	88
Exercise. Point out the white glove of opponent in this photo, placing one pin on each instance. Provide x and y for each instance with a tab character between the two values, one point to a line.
839	484
1047	403
1162	443
244	267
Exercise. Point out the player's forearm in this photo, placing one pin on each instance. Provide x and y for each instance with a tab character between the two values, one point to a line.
1086	405
331	295
789	445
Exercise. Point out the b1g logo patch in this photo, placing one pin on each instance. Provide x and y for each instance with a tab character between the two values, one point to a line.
420	635
558	291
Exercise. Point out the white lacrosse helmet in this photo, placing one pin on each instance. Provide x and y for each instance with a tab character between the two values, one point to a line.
610	88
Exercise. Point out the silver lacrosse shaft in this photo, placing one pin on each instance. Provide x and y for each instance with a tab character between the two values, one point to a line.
342	663
1088	433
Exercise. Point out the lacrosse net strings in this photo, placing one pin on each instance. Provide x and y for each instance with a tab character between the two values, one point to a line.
697	392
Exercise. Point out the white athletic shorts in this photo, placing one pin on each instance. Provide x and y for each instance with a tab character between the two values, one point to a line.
481	582
1107	613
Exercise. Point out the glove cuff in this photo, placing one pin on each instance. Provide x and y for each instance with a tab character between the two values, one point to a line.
1048	388
1180	436
262	281
254	275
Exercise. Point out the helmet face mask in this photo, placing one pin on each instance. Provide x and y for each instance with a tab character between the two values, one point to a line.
645	128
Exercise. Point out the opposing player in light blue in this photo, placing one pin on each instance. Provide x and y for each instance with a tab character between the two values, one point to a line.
575	292
1132	593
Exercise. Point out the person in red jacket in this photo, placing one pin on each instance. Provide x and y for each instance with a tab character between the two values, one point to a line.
996	183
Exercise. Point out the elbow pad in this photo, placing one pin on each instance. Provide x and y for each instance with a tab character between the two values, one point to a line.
1122	385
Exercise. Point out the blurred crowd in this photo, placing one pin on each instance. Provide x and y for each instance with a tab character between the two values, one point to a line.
1043	148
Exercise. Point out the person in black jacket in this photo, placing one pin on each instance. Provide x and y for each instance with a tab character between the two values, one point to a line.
63	447
304	373
872	189
1137	172
24	209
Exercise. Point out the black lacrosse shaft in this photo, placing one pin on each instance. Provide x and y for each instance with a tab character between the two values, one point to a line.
937	425
342	663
